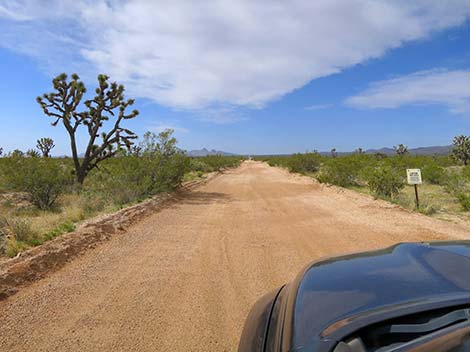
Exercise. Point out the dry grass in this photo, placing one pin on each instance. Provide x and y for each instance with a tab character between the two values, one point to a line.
26	226
434	201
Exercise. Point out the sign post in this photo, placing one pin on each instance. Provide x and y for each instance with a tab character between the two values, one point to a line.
413	177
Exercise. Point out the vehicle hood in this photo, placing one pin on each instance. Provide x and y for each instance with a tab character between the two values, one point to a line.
337	292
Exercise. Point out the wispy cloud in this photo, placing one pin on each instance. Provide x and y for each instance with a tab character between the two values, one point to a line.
318	107
441	87
221	115
160	127
197	54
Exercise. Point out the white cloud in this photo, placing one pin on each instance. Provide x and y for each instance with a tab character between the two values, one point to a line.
442	87
318	107
197	54
221	114
160	127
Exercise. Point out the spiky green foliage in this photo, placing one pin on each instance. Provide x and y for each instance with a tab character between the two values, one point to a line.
45	145
32	153
108	103
461	150
401	149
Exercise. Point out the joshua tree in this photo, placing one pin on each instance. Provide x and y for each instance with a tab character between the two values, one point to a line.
108	103
334	153
32	153
16	154
401	149
359	151
45	145
136	150
461	149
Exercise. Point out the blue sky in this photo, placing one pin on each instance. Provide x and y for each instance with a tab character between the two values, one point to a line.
248	77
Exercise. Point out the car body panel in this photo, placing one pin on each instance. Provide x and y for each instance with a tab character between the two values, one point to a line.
332	298
256	327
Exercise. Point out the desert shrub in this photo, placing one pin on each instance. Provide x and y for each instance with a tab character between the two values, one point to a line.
59	230
119	181
196	164
282	161
43	179
169	172
434	174
464	200
15	235
127	179
303	163
272	162
218	162
454	183
427	208
444	161
341	171
385	181
91	203
465	173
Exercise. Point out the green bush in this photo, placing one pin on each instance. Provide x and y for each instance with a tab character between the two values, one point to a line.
385	181
196	164
454	183
434	174
118	181
304	163
464	200
44	179
169	172
218	162
127	179
466	173
341	171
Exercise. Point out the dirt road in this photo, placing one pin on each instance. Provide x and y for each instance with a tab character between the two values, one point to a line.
184	278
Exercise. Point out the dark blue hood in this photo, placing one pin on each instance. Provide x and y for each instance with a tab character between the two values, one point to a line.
334	293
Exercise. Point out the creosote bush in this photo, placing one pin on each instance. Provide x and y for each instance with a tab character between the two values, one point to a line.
342	171
434	174
43	179
385	181
464	200
304	163
218	162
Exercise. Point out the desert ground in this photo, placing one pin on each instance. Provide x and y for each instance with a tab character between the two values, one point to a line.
185	277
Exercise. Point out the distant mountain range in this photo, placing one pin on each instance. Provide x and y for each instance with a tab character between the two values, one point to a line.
434	150
205	152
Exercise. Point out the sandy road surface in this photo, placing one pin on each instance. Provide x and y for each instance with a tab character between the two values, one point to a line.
184	278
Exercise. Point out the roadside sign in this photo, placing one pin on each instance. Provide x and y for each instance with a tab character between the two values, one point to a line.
414	176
